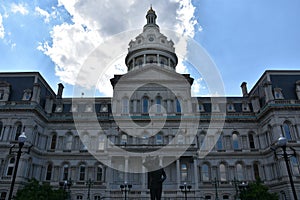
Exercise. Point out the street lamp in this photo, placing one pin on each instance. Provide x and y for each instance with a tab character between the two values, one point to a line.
236	182
185	189
89	183
21	141
66	184
216	184
125	188
282	142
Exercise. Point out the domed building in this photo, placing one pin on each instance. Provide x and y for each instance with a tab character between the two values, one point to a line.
106	141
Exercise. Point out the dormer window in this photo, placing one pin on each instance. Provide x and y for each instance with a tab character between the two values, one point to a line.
245	107
215	107
230	107
27	95
278	93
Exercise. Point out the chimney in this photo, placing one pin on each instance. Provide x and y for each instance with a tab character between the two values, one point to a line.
60	91
244	89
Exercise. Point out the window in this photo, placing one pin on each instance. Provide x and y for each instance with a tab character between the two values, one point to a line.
205	172
223	172
68	144
178	107
256	171
101	145
158	104
184	172
65	172
251	141
53	142
97	197
49	172
10	167
225	197
145	104
287	131
85	142
159	138
239	172
3	196
295	165
207	197
235	141
81	172
220	143
99	173
124	139
1	127
79	197
125	106
180	139
18	131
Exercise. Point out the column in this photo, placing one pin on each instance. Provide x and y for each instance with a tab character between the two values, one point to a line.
178	172
144	59
134	106
196	175
157	58
133	63
144	185
126	169
36	93
169	62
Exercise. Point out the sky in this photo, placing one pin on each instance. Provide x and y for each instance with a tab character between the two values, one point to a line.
243	38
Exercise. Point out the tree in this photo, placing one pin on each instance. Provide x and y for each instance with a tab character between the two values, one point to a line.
257	191
33	190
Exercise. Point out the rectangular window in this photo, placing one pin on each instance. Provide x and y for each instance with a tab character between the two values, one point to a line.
3	196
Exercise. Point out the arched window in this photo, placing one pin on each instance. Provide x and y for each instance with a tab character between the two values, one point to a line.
235	141
10	166
99	173
79	197
49	172
205	172
53	142
18	130
124	139
287	131
225	197
125	105
65	172
256	171
82	172
251	141
223	176
184	172
145	104
239	172
158	104
3	195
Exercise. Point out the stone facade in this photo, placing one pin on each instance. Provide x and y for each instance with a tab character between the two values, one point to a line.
85	138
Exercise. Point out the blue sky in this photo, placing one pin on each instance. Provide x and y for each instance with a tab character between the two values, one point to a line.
243	37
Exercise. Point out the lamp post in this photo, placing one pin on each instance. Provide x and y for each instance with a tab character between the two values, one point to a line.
216	184
21	141
185	189
235	182
66	184
89	184
281	142
125	188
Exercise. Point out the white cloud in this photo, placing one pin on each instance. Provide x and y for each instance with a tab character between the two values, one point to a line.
19	8
43	13
2	32
97	21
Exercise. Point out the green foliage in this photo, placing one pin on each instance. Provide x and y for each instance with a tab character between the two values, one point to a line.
257	191
35	191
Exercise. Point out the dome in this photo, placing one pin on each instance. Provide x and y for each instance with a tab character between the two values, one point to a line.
151	47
